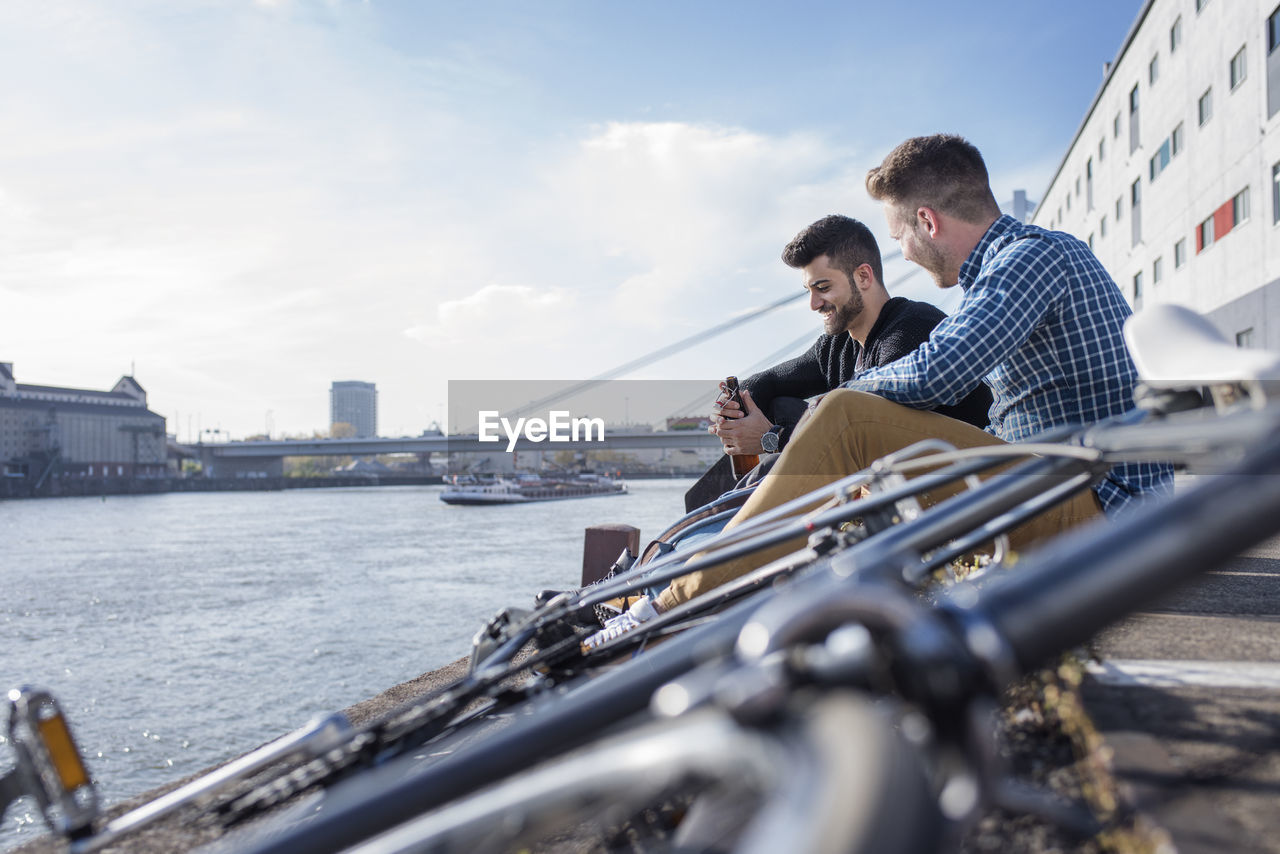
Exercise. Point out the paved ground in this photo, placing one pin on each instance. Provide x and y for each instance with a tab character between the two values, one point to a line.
1188	696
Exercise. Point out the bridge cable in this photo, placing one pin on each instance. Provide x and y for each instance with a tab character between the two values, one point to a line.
703	401
660	353
675	347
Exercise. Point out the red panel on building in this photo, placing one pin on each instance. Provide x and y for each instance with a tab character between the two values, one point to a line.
1224	220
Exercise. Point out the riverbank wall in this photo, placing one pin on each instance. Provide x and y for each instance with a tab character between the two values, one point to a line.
93	486
13	488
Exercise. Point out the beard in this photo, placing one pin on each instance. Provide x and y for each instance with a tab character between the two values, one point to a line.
931	260
841	317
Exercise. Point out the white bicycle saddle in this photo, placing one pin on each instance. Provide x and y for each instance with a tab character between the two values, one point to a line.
1174	347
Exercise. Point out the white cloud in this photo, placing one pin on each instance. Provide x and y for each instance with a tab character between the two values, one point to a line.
636	234
520	314
243	277
296	205
685	203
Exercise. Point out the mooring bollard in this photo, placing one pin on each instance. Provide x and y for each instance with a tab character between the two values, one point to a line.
601	547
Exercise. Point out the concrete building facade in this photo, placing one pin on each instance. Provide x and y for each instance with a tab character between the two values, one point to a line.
47	431
1173	177
355	403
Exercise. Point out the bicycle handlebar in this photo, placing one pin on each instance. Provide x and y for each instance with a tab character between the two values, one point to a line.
1088	579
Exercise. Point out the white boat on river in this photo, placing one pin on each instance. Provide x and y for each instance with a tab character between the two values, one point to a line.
526	488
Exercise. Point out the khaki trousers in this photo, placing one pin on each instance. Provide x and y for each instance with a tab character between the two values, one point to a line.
846	433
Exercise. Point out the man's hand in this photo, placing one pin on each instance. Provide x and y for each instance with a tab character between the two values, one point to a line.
739	431
724	408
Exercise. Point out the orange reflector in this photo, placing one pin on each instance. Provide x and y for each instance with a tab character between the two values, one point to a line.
62	752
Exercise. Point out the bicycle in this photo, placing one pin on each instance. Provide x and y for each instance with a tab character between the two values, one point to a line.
798	690
886	547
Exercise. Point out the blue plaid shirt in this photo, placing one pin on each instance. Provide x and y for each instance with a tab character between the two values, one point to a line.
1040	323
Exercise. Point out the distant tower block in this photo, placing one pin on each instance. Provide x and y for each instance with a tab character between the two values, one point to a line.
1021	207
355	403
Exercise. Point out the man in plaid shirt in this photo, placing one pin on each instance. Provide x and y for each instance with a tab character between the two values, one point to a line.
1040	323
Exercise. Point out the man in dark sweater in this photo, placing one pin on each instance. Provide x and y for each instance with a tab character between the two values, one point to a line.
863	328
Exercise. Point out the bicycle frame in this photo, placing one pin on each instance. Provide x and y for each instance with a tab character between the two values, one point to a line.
615	696
801	770
984	634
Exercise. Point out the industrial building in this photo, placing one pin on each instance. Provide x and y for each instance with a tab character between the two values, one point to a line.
50	432
1173	177
355	403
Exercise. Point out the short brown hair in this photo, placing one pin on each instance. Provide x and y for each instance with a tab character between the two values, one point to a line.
848	243
943	171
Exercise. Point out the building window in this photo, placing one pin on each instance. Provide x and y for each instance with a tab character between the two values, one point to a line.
1137	289
1175	34
1135	211
1238	68
1244	338
1088	184
1134	136
1090	241
1119	207
1205	105
1273	63
1157	270
1179	253
1102	226
1204	235
1240	207
1228	215
1275	193
1200	4
1102	149
1153	70
1077	186
1160	160
1115	126
1176	140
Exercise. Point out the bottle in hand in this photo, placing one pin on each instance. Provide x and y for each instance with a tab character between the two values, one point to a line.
742	463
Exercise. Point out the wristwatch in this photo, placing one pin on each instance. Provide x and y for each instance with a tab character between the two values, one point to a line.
772	439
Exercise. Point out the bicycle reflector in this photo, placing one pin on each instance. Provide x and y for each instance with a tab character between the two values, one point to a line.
49	767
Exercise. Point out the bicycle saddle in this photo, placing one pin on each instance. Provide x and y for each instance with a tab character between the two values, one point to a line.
1174	347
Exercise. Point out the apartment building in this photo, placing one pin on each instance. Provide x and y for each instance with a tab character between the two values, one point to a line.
1173	177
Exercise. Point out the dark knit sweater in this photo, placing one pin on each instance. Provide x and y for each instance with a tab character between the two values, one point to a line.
903	325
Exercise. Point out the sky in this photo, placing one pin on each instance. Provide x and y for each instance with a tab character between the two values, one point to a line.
242	201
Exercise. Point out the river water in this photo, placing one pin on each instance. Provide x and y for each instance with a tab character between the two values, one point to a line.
180	630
